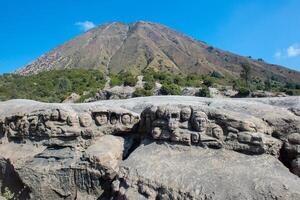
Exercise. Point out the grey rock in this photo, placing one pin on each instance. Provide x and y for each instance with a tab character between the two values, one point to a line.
169	171
296	166
72	98
197	148
189	91
294	138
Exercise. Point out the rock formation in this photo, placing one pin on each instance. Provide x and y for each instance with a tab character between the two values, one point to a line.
151	148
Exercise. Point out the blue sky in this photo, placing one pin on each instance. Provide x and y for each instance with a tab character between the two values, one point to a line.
268	29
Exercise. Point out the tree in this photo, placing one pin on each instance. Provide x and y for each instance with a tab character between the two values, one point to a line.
268	85
64	84
246	72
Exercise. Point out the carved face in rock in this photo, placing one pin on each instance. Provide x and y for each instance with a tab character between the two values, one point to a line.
175	137
185	114
85	119
126	119
173	118
72	120
217	132
195	138
101	118
160	112
55	115
114	118
200	121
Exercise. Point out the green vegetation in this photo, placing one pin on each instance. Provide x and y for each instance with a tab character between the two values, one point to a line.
246	72
7	194
123	78
51	86
140	92
193	80
210	49
57	85
170	89
203	92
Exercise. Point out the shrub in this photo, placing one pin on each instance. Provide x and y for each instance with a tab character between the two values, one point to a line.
128	79
243	92
50	86
216	74
193	81
123	78
140	92
170	89
115	80
149	85
208	81
7	194
203	92
179	80
210	48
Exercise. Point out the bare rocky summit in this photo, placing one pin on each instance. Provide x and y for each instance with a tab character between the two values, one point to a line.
165	147
116	46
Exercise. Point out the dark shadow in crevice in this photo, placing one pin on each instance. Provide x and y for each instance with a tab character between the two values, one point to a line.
284	157
11	182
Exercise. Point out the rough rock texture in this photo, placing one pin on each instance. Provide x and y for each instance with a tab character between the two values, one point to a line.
165	147
117	92
168	171
72	98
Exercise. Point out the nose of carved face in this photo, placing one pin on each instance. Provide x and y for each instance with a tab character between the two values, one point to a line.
173	124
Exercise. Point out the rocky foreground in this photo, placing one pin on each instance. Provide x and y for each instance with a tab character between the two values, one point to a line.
166	147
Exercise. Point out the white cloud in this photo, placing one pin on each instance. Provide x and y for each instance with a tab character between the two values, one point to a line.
290	52
278	54
293	51
85	26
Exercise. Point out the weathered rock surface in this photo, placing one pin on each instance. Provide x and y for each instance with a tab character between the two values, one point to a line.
163	147
168	171
72	98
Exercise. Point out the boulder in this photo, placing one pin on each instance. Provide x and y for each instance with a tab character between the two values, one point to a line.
72	98
168	171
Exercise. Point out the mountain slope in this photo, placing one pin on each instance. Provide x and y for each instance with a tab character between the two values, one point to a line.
116	46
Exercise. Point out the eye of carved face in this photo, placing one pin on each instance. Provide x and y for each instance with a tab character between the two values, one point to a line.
174	115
